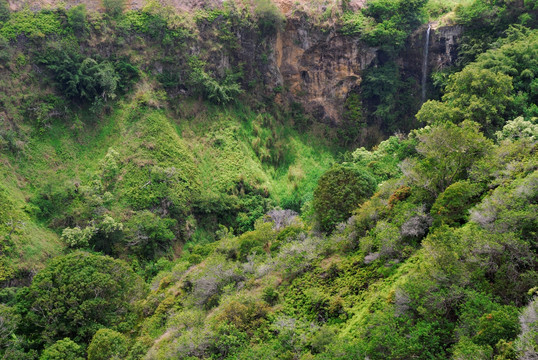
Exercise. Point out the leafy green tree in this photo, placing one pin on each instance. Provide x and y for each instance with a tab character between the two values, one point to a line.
480	95
340	191
447	151
65	349
107	345
77	294
475	94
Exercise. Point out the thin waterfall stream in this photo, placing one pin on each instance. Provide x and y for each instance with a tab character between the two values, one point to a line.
425	63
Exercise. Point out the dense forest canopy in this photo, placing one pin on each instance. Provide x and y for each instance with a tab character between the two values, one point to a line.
171	189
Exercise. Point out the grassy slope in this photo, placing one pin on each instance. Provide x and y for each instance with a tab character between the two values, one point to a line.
213	150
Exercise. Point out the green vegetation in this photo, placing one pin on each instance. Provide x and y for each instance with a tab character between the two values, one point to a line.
161	199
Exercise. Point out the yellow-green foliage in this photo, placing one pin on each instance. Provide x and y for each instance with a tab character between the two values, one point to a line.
158	165
33	25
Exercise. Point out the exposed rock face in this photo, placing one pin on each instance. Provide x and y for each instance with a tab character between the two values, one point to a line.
318	69
444	46
442	53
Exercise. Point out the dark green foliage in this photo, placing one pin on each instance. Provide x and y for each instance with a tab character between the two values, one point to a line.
353	121
148	235
340	191
485	22
82	77
77	294
107	344
387	96
498	325
76	17
5	13
219	92
65	349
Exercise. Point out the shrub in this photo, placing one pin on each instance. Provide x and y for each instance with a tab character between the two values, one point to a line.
219	92
518	129
149	235
340	191
34	25
77	237
269	17
79	77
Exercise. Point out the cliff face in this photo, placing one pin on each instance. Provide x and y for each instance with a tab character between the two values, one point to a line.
318	69
306	63
442	50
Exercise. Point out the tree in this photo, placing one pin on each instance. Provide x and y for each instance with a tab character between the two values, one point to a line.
517	129
77	294
446	151
476	94
480	95
340	191
65	349
107	345
452	206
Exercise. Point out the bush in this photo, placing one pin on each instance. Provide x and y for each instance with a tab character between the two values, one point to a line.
79	77
106	345
149	235
340	191
65	349
219	92
34	25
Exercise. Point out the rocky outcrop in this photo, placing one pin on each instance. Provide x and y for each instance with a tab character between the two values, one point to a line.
318	69
442	52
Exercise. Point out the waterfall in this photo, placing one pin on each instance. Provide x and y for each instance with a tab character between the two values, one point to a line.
425	63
